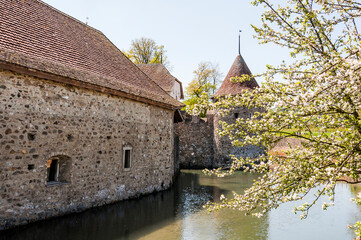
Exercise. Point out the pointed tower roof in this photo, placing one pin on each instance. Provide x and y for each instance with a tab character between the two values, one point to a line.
238	69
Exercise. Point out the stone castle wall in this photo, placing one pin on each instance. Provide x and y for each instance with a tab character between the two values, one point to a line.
202	147
87	131
195	142
223	147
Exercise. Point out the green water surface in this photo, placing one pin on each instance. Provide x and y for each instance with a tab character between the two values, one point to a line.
178	214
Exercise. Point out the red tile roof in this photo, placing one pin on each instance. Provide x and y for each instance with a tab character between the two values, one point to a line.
37	36
238	69
160	74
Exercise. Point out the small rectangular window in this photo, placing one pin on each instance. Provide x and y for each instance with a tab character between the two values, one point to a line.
235	115
58	170
127	157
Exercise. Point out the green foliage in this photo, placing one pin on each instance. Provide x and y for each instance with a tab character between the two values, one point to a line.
318	101
146	51
202	87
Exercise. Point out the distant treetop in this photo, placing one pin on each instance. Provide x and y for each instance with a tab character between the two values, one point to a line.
146	51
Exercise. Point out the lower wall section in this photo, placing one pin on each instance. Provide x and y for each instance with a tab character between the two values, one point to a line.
64	149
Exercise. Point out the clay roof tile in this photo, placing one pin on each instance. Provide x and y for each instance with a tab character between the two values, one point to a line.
37	36
160	74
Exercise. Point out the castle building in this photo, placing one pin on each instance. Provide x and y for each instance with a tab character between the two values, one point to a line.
199	143
160	74
80	124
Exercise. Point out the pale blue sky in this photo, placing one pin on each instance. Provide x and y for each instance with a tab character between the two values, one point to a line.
190	30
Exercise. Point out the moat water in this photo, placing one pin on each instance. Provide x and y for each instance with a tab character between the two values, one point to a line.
178	214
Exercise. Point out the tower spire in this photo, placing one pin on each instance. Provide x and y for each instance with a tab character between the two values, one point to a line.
239	42
239	68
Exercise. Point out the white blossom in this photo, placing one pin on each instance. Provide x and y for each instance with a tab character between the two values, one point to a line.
318	103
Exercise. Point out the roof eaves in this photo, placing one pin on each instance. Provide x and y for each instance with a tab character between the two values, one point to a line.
56	72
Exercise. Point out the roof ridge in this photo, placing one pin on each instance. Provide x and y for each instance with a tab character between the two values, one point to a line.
150	77
167	70
57	38
68	16
78	21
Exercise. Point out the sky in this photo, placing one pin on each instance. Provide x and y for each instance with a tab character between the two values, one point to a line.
191	31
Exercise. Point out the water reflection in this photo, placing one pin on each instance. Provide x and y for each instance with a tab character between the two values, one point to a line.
116	221
329	224
178	214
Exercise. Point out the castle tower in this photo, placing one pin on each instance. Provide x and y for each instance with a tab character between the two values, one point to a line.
228	87
222	145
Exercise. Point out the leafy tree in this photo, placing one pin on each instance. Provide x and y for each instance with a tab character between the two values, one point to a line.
203	86
318	101
146	51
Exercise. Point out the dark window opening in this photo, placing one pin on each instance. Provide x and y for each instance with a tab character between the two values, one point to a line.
127	158
53	170
58	170
31	167
235	115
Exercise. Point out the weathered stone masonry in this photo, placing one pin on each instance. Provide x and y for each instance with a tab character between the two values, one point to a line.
202	147
87	131
195	142
223	147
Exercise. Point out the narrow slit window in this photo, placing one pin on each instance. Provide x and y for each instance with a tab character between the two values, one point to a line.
235	115
127	157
